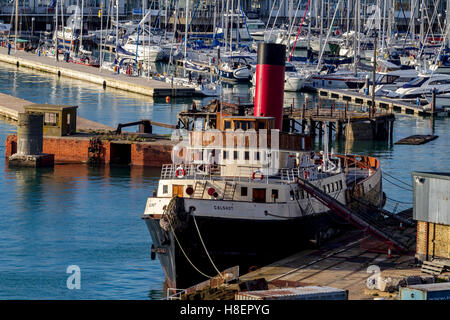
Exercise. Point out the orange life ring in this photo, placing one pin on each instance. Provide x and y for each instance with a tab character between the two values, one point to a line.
254	174
180	174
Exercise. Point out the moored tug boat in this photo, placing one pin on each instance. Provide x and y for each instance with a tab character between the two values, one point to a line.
232	196
248	214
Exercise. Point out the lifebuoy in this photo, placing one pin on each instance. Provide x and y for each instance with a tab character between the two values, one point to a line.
180	172
254	174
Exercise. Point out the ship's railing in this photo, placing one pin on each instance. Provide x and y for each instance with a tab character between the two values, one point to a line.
307	173
174	296
190	171
240	173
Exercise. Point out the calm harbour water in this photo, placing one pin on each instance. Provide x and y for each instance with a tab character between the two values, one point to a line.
91	217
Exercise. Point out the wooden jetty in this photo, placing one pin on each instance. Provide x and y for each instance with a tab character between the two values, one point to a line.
393	105
348	122
354	124
105	78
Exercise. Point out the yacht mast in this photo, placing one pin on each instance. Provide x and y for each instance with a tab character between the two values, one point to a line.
226	16
356	37
185	36
62	26
448	23
117	27
412	22
321	27
16	24
384	26
81	24
422	17
231	28
56	29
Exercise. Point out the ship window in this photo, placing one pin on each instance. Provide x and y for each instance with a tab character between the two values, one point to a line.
165	189
340	184
328	188
235	155
261	125
332	187
247	155
244	191
227	124
259	195
324	188
337	185
243	125
257	155
274	194
225	155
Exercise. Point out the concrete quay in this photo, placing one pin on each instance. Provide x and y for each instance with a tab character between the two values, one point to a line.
10	107
98	76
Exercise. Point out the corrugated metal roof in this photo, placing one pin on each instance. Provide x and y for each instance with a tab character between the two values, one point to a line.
285	292
431	197
438	175
432	286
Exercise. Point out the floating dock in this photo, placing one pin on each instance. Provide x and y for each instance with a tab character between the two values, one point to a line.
417	139
98	76
393	105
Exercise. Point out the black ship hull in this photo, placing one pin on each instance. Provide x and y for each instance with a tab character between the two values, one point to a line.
231	242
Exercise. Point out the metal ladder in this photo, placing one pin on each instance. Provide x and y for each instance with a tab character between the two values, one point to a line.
199	189
228	192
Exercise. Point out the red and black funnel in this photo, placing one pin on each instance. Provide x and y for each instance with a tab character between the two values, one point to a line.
269	91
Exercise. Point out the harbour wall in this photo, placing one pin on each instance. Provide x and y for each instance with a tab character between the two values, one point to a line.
77	150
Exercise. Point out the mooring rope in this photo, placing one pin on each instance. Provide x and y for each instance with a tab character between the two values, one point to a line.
181	248
398	200
384	172
397	184
204	247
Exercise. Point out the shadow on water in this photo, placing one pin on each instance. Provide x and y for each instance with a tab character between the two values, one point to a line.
156	294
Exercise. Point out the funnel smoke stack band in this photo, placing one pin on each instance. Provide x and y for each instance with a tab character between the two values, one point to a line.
269	91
